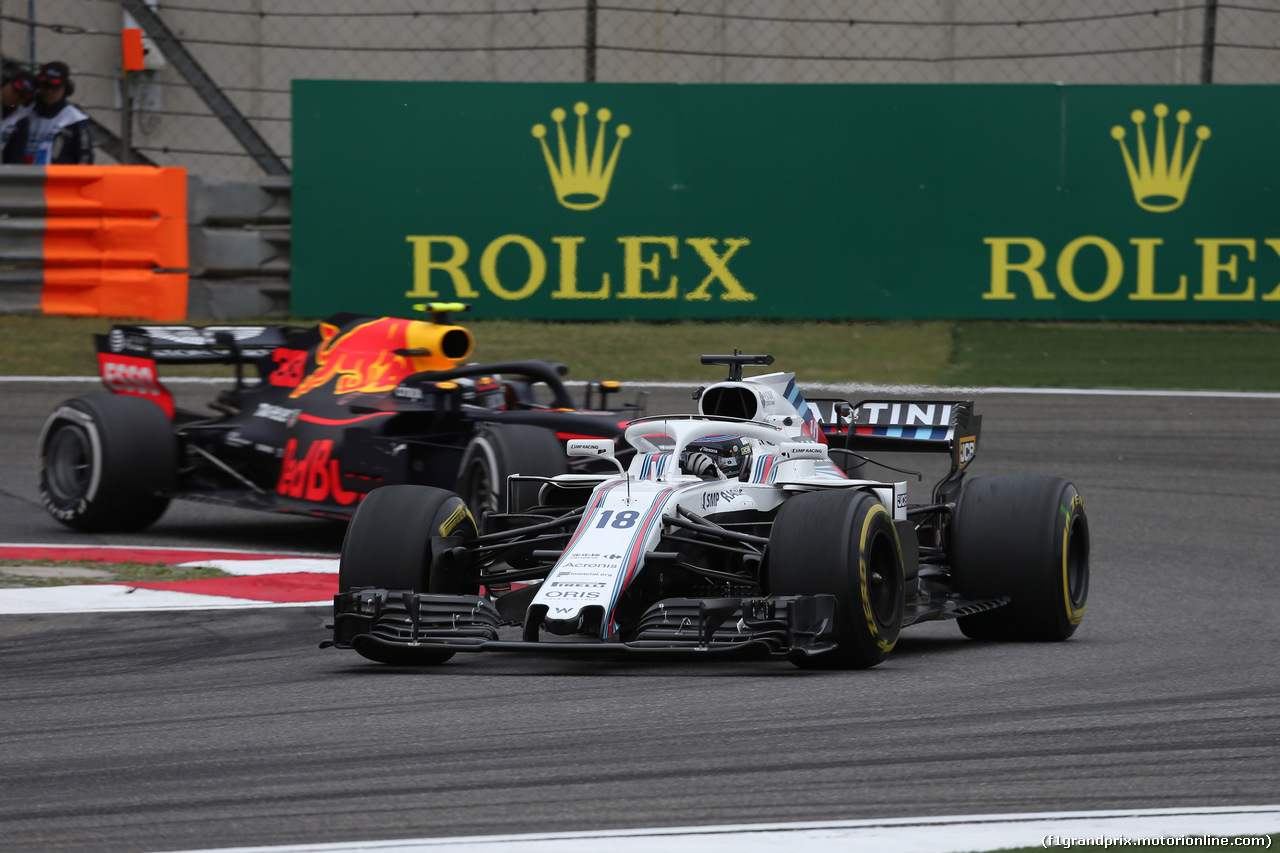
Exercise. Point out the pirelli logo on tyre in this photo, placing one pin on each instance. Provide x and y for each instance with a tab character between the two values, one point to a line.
460	514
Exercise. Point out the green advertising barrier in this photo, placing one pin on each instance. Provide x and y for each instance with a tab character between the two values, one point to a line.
611	201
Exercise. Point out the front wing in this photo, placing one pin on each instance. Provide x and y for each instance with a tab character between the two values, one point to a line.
784	625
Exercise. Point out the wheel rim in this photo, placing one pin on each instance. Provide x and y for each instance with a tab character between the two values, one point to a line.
69	463
477	488
884	590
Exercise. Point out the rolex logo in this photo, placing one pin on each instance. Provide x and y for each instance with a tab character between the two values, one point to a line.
581	181
1160	179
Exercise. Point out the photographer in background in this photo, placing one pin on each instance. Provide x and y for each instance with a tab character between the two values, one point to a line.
18	87
54	131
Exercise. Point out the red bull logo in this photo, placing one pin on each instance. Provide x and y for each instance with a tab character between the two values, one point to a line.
377	355
313	476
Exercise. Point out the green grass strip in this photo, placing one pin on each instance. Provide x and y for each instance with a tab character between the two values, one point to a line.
1243	357
27	573
1234	358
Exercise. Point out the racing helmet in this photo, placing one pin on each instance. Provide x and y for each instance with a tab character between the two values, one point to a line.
727	452
483	391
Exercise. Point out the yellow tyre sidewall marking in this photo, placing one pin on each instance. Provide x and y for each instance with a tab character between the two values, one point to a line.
459	514
1074	615
885	645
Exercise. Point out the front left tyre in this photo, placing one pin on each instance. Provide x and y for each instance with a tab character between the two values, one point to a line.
103	458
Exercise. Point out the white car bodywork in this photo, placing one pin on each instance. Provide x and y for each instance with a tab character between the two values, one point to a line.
744	529
625	515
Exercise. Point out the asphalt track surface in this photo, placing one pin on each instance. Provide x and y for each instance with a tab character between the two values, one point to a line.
180	730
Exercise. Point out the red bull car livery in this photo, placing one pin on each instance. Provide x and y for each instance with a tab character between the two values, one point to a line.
324	415
750	528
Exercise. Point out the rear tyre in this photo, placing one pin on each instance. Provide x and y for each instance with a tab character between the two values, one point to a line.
499	450
103	457
842	543
1026	537
389	545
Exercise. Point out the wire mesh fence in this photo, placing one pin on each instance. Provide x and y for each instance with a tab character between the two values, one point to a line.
215	96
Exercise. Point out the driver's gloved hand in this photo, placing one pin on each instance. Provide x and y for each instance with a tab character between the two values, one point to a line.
702	465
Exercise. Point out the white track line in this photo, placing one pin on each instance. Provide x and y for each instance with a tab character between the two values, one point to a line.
903	835
119	598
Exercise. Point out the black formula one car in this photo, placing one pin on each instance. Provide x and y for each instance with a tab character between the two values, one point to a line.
329	413
750	528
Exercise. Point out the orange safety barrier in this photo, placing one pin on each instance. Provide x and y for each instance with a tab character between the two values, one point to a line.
77	241
115	242
116	191
115	293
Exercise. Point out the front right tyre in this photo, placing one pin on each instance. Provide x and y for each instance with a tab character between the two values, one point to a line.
842	543
389	545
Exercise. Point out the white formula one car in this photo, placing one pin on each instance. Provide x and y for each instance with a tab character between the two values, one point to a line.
746	529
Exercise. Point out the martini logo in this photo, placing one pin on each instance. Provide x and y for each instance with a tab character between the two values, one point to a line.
581	180
1160	178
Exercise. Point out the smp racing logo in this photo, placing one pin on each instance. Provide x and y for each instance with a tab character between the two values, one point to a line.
652	265
1158	164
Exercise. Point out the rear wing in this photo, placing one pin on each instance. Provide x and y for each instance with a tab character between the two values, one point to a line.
128	354
898	426
195	344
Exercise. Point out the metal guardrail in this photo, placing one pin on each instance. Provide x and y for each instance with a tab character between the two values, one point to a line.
238	237
238	240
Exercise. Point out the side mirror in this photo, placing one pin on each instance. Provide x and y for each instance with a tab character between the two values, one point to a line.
595	448
601	447
812	450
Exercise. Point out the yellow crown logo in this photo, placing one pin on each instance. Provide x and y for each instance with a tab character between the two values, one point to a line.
581	182
1160	180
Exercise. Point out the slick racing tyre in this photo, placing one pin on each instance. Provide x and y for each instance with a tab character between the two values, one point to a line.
389	540
389	545
103	457
842	543
499	450
1026	537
